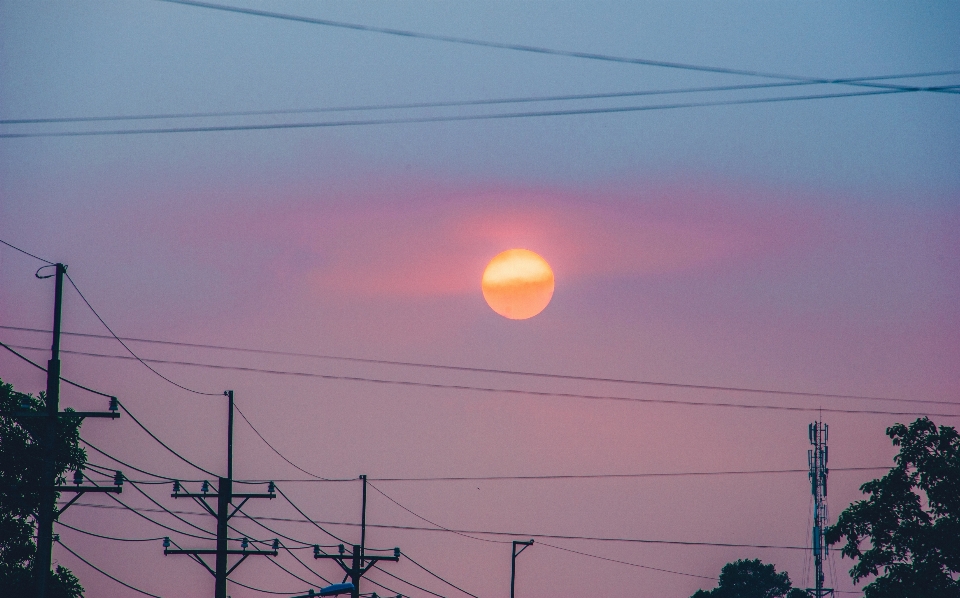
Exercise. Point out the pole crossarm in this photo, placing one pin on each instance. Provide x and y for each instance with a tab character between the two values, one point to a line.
359	563
23	414
224	511
48	438
81	490
167	551
214	495
513	561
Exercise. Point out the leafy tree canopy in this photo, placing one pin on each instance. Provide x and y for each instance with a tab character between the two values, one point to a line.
911	519
752	579
21	463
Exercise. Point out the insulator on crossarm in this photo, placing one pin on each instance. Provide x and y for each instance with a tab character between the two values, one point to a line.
176	487
118	479
205	487
77	477
166	542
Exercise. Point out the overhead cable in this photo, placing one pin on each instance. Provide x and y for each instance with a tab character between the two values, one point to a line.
603	558
502	533
411	584
102	572
453	118
521	392
25	252
481	370
114	538
129	350
492	44
452	585
437	525
461	103
307	517
279	454
120	403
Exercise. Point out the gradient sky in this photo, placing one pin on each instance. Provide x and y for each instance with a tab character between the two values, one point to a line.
809	246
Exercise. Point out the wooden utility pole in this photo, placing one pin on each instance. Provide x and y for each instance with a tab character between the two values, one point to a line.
225	496
49	491
360	563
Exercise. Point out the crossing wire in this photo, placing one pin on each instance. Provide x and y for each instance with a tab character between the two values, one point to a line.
464	103
114	538
25	252
120	403
456	118
129	350
497	45
603	558
101	571
498	533
409	558
534	393
689	386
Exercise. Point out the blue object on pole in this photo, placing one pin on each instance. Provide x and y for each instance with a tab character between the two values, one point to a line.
337	588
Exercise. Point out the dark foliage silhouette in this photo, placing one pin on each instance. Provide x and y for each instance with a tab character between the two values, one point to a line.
751	579
20	470
911	520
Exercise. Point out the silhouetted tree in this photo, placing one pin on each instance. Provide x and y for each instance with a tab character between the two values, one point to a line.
752	579
911	519
21	462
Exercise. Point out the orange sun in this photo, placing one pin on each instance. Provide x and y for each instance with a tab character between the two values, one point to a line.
517	284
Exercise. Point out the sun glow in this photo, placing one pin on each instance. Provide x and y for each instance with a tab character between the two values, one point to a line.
517	284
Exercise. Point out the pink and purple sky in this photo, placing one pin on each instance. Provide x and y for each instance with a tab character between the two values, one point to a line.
808	246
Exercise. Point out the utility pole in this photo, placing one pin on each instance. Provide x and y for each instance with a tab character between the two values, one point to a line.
513	561
224	496
817	460
360	563
49	490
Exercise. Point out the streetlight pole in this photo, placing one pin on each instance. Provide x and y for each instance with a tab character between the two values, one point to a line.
513	561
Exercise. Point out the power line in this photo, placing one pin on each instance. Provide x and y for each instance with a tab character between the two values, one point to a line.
422	589
163	444
82	531
262	591
291	573
463	103
137	512
594	476
504	533
488	370
307	517
125	464
101	571
513	391
455	118
437	525
603	558
129	350
279	454
119	403
171	513
606	475
452	585
505	542
496	45
24	252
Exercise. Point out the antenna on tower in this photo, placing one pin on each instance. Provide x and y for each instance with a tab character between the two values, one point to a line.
818	433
